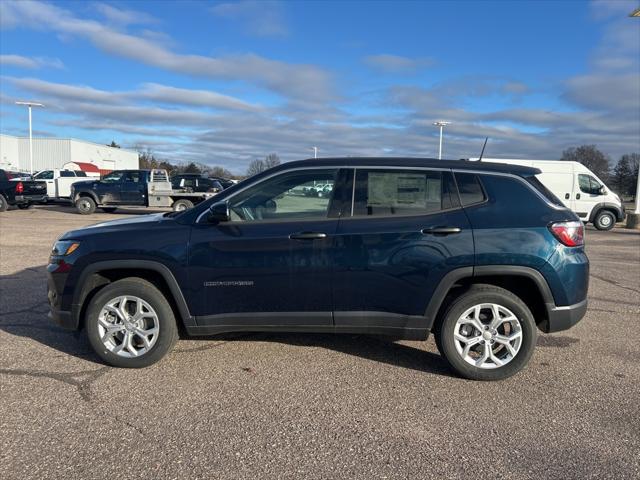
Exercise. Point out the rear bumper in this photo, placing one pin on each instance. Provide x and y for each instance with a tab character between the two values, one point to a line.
563	318
31	198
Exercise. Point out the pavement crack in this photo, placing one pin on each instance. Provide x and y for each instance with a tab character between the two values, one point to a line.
83	384
615	284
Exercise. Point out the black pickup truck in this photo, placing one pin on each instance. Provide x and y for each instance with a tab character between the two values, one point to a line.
21	193
142	188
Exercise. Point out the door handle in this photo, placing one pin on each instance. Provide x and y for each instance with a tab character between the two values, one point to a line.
567	196
577	196
307	236
441	230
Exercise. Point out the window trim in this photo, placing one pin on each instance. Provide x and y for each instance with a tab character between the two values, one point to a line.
401	167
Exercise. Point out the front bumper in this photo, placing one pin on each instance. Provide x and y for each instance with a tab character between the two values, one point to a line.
563	318
55	286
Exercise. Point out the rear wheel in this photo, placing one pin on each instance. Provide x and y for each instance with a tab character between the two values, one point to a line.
487	333
130	324
85	205
181	205
605	220
3	204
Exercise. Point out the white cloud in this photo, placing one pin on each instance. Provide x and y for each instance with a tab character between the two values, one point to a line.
30	62
397	64
123	16
196	98
260	18
289	80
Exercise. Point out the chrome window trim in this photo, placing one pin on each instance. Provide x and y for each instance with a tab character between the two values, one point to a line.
520	179
391	167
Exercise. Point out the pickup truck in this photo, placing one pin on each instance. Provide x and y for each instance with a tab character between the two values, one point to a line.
21	193
144	188
59	181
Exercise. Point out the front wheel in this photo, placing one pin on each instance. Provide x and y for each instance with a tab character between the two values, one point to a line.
605	220
130	324
85	205
487	333
182	205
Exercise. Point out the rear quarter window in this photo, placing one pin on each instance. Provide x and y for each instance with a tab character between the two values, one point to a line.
546	193
470	189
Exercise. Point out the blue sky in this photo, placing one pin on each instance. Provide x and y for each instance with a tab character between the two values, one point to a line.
226	82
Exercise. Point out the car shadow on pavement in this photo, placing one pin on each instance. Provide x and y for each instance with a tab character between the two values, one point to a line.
25	315
24	309
374	348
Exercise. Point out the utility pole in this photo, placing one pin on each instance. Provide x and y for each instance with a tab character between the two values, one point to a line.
441	124
30	104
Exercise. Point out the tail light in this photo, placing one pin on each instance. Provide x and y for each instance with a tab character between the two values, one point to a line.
570	234
19	187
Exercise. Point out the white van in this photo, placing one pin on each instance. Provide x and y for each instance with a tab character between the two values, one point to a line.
578	188
59	181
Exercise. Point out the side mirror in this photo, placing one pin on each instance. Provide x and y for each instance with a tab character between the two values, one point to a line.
219	212
602	190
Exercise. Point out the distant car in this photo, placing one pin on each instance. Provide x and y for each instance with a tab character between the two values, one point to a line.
195	183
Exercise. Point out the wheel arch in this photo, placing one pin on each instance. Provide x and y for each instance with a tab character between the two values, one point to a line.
86	193
97	275
525	282
612	207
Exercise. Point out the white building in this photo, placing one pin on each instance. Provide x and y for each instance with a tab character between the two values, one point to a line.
50	153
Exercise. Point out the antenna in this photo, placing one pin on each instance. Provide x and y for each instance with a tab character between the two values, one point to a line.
482	152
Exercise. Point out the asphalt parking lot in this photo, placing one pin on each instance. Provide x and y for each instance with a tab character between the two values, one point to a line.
313	406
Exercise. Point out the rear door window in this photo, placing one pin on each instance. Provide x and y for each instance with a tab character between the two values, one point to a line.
470	189
402	192
66	173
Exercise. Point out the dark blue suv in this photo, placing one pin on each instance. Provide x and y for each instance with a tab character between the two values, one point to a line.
480	254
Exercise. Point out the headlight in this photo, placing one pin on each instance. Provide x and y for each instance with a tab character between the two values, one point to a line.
64	247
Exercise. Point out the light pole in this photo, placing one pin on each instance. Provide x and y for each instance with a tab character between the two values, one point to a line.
30	104
315	152
441	124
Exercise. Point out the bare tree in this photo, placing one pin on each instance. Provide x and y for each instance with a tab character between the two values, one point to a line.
590	157
255	167
271	160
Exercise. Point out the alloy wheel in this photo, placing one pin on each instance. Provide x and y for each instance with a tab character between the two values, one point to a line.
128	326
488	336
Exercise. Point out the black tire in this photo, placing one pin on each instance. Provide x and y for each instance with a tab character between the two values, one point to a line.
24	206
3	204
167	329
182	205
108	209
85	205
605	220
479	294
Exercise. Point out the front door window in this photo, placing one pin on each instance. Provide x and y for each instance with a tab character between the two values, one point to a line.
301	195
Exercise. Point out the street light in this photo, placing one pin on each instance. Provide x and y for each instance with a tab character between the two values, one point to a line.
441	124
29	104
315	152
